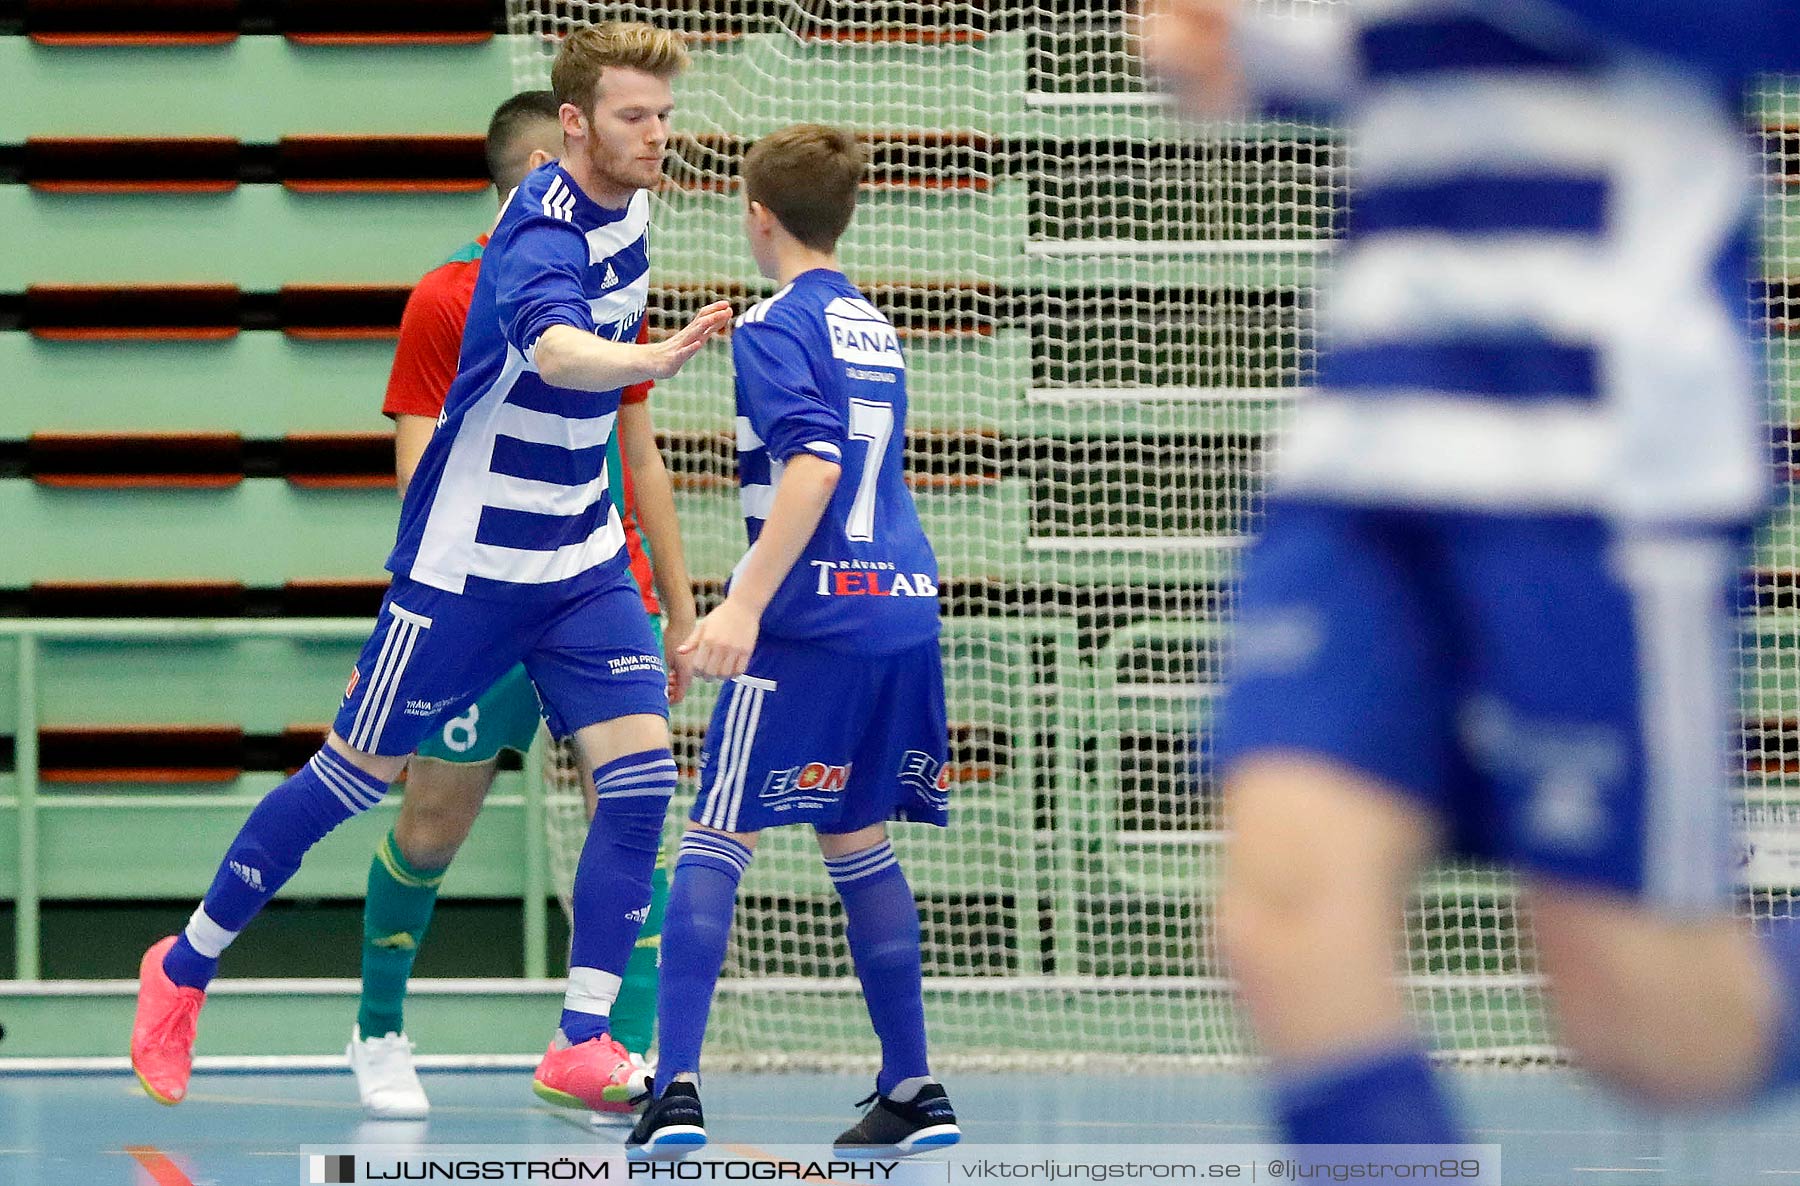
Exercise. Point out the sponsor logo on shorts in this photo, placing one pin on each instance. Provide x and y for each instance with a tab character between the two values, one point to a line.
639	916
1277	642
355	678
630	664
461	734
249	875
427	708
870	578
926	777
809	786
1569	768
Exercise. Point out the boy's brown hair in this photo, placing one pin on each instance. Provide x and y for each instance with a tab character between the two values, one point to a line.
586	53
807	176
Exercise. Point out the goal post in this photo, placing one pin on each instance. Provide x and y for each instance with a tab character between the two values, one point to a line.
1108	316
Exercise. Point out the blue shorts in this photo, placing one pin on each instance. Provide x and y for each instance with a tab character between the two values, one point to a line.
838	741
1556	692
591	655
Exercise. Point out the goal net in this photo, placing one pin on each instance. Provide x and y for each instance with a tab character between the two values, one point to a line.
1108	318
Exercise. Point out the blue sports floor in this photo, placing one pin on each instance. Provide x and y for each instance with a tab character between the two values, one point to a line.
240	1129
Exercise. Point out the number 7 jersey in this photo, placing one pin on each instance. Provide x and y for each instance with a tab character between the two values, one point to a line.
820	371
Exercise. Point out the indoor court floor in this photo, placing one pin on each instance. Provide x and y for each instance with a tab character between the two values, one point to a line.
245	1129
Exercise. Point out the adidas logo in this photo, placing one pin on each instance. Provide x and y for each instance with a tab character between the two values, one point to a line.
400	941
249	876
611	278
638	916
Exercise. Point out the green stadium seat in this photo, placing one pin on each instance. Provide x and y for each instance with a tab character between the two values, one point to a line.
256	237
262	532
255	89
258	385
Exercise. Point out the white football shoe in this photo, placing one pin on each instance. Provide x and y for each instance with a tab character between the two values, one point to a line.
385	1078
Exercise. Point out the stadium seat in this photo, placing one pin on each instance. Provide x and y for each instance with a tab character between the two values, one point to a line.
377	22
92	23
382	164
156	754
317	312
198	461
309	385
166	313
339	461
136	599
95	165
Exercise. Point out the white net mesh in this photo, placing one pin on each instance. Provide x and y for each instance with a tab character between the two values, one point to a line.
1107	315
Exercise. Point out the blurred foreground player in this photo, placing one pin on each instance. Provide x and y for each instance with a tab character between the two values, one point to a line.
834	713
448	779
510	550
1490	612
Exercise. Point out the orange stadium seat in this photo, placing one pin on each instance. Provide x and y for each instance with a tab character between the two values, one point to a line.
340	312
155	754
119	165
382	164
173	312
362	22
206	461
131	22
136	599
337	461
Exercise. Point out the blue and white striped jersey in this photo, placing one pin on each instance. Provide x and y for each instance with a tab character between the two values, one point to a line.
1540	302
511	498
820	370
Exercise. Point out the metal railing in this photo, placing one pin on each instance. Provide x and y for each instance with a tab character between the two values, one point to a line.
28	635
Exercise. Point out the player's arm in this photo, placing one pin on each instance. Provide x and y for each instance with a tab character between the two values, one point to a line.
424	367
540	263
411	435
576	359
655	499
722	642
801	430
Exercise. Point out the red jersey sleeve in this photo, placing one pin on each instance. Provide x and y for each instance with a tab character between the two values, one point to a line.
637	393
431	332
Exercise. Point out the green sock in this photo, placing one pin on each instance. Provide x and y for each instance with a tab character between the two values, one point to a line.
395	915
634	1012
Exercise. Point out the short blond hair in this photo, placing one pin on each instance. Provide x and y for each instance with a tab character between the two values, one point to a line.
807	176
586	53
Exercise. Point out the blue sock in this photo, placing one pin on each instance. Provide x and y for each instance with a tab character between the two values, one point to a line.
269	847
883	929
1386	1096
612	884
696	926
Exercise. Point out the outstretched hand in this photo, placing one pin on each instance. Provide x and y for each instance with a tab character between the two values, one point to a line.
673	351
